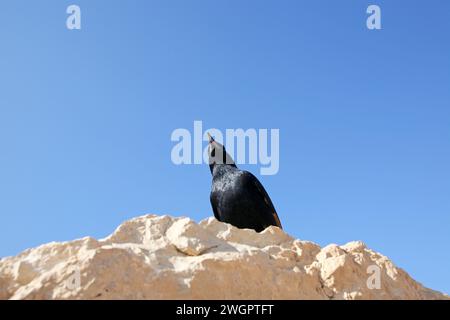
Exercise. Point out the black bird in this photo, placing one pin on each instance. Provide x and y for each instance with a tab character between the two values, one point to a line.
237	197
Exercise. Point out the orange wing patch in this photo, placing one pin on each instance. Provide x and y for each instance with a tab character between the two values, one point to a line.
277	220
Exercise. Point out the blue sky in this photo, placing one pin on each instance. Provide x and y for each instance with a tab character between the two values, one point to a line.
86	117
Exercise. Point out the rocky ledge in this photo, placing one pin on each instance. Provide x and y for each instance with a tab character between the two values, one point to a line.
161	257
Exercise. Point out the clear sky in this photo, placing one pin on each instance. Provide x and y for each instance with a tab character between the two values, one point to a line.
364	117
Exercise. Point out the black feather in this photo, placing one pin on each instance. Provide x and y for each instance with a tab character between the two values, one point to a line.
237	197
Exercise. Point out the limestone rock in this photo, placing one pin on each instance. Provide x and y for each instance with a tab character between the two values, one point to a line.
161	257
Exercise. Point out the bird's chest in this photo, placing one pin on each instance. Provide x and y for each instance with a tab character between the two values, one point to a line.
227	188
224	184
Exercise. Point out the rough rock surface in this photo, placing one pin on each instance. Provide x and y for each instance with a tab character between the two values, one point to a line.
160	257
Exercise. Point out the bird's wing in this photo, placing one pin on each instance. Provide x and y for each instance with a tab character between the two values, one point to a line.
265	197
213	200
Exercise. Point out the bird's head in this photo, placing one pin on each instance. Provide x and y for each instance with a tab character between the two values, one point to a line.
218	155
